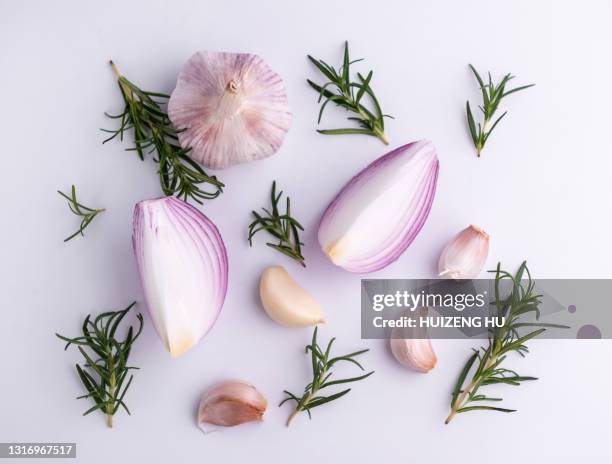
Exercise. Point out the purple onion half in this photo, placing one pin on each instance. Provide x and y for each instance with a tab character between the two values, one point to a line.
182	264
378	214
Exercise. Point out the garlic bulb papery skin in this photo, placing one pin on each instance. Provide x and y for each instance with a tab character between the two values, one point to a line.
182	264
414	350
378	214
230	107
465	255
286	302
231	403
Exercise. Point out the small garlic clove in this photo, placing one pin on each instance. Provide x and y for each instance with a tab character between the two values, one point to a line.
231	108
286	302
415	353
412	348
465	255
231	403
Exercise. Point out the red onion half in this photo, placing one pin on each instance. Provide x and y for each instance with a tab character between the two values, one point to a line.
378	214
182	264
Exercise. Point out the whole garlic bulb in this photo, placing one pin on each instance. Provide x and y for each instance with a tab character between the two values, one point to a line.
230	108
231	403
465	255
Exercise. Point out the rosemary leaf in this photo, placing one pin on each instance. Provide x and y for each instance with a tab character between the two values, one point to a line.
85	213
145	113
492	95
370	122
283	227
488	359
321	372
105	369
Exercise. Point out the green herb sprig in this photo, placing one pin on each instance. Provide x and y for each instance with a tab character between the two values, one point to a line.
492	95
502	340
283	227
104	377
84	212
144	112
322	363
349	95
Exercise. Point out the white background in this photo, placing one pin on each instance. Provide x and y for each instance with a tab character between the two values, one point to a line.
541	189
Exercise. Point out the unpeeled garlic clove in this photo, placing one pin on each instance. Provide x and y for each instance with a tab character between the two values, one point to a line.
412	348
231	403
230	108
285	301
465	255
415	353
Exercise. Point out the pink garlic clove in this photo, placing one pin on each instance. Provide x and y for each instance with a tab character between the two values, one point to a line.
412	348
230	107
415	353
231	403
466	254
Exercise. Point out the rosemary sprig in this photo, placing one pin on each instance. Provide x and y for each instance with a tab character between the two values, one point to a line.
153	132
283	227
87	214
502	340
104	378
349	95
321	372
492	95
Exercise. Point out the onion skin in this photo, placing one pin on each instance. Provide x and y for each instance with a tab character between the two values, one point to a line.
182	263
380	211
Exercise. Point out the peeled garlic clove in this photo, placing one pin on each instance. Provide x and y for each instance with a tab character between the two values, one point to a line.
285	301
231	108
182	264
412	348
378	214
231	403
466	254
